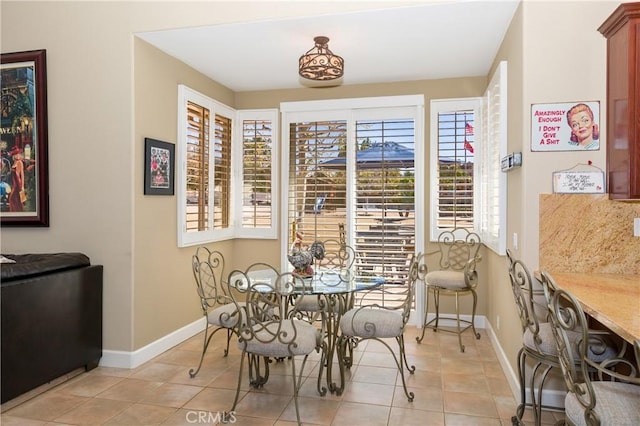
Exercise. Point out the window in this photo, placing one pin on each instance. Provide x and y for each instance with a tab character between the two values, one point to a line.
349	169
453	164
469	189
258	205
209	171
492	194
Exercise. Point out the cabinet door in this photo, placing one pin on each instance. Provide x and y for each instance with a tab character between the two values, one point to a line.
622	30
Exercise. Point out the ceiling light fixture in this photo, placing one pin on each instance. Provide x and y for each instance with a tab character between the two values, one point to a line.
320	63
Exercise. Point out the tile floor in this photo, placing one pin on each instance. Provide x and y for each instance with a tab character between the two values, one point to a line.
451	388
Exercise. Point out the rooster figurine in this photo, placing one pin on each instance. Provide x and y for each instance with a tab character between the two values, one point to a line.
302	257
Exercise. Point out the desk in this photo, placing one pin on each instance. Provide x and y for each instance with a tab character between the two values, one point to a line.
612	299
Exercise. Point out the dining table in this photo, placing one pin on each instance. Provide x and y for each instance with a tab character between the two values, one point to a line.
611	299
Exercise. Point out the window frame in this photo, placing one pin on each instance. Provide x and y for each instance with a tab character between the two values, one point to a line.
238	174
492	225
234	228
451	105
352	109
490	202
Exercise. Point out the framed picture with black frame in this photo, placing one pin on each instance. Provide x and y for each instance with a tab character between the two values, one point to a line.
159	166
24	175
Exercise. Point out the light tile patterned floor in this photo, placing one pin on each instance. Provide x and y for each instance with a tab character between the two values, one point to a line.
451	388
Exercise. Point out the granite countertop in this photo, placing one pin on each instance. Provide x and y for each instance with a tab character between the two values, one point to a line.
612	299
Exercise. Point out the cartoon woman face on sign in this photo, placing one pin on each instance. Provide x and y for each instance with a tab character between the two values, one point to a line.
584	131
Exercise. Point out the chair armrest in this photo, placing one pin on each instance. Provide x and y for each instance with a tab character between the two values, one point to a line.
470	273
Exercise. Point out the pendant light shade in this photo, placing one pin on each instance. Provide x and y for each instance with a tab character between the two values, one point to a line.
319	63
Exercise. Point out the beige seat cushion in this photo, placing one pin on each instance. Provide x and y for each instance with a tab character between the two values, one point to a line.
294	337
616	404
224	316
599	350
452	280
372	322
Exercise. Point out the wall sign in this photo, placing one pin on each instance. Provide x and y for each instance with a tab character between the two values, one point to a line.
571	126
579	181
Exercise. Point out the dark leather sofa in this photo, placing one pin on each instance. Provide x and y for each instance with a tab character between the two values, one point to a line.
51	309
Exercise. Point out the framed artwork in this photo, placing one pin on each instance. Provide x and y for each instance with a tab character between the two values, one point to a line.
569	126
159	164
24	180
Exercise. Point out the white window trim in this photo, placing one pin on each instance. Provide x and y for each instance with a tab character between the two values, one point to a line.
337	109
493	230
185	94
446	105
234	230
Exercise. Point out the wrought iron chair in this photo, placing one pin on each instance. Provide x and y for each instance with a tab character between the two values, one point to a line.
271	327
372	321
458	257
610	394
217	306
537	340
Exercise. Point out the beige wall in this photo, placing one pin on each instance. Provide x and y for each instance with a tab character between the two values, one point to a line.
107	91
95	150
555	54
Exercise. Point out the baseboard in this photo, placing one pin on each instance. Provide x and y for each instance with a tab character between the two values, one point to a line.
123	359
550	397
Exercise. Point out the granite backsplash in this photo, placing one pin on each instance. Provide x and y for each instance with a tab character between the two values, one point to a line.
588	233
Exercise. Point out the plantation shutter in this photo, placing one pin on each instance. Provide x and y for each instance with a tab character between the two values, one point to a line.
222	171
257	162
492	192
385	198
317	191
455	172
197	170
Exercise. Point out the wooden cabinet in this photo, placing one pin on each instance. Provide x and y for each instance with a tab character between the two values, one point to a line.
622	30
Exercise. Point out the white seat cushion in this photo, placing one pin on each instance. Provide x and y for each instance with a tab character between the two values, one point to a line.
224	316
446	279
616	404
295	338
598	351
372	322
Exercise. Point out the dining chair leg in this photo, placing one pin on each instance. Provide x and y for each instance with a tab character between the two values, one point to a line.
426	314
536	403
257	378
207	339
402	363
458	323
235	400
473	315
296	381
517	419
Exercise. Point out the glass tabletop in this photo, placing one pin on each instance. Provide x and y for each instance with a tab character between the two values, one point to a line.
329	281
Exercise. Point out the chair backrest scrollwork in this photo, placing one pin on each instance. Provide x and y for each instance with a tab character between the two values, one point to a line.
457	247
208	271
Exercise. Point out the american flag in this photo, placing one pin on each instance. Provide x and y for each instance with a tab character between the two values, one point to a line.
468	128
468	146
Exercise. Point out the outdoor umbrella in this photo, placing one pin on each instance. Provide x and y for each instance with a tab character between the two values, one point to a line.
378	155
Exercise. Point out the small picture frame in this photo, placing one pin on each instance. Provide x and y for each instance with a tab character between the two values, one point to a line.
159	166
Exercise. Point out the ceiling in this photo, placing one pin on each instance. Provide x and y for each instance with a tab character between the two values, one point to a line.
432	41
